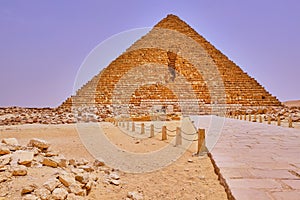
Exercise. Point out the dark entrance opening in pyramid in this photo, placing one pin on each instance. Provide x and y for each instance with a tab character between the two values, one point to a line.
136	63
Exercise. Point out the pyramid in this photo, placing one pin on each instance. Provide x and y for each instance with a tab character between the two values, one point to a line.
175	68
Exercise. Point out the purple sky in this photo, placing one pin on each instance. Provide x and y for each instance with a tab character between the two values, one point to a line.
43	43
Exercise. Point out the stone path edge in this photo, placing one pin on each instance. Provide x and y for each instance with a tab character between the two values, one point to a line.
221	178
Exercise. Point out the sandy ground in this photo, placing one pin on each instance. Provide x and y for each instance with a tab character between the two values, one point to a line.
187	178
295	103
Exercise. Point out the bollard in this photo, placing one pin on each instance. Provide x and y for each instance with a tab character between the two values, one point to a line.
245	117
151	130
127	125
133	127
164	133
269	119
260	119
201	140
290	122
241	117
255	118
178	137
142	128
250	118
278	121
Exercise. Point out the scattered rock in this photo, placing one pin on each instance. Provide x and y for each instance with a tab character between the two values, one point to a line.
23	157
66	179
73	162
61	161
76	189
77	171
4	177
190	160
114	176
41	144
4	149
135	195
72	196
89	185
5	160
28	189
29	197
50	162
42	193
59	194
115	182
82	162
19	170
51	184
82	178
51	154
99	163
10	141
86	168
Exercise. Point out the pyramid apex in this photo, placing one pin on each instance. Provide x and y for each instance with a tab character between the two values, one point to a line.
170	21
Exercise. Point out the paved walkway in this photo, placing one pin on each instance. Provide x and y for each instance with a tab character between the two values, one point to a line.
259	161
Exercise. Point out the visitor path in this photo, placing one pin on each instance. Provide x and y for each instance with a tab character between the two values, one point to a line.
259	161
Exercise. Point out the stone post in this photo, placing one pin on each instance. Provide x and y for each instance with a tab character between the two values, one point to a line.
269	119
127	125
151	130
178	137
290	122
142	128
164	133
278	121
133	127
260	119
255	118
201	140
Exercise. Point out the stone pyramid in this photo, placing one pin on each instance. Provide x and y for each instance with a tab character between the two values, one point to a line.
174	67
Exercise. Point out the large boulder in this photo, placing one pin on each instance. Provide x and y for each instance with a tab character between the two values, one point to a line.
59	194
10	141
51	184
23	157
66	179
19	170
41	144
4	149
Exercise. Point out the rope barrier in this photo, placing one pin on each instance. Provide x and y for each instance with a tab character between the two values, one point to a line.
159	128
171	135
171	130
194	140
188	133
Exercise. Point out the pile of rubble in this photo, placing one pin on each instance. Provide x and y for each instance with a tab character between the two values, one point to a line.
273	113
284	113
18	116
74	179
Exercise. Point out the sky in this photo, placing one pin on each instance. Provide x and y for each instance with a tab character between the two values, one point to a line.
44	43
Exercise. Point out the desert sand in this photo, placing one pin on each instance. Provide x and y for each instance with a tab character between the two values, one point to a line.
295	103
187	178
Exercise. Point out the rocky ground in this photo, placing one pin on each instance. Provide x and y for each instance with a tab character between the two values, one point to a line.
57	166
284	112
